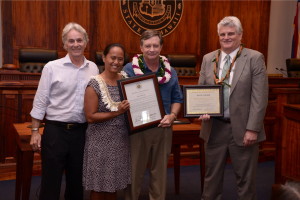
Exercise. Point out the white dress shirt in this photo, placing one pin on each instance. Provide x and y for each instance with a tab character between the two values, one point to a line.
223	60
61	89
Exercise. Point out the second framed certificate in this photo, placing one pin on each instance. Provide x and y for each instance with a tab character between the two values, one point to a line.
203	99
146	107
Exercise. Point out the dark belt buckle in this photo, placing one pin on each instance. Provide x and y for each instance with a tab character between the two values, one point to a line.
69	126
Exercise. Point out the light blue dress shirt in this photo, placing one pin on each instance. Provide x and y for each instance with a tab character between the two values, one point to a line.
223	60
60	94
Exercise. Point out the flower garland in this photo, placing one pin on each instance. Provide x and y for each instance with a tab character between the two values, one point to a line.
216	60
123	74
163	74
106	98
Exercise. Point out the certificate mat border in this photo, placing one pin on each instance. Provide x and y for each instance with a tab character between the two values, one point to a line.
123	96
185	89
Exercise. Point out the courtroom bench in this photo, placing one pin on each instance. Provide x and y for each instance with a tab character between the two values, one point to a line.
287	161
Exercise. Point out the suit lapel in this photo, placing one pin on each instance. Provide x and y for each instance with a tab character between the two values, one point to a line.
212	66
239	67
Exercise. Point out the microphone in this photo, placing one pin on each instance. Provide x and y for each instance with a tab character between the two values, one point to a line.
282	71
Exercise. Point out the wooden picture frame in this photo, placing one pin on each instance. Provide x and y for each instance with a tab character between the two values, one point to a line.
203	99
146	106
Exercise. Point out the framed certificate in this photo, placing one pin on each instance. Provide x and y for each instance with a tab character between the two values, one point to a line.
146	107
203	99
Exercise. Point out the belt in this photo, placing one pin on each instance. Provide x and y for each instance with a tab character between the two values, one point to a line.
66	125
225	120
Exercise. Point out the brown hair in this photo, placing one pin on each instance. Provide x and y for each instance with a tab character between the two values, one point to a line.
149	34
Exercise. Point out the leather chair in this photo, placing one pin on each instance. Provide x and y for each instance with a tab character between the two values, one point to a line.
183	64
99	62
34	60
293	67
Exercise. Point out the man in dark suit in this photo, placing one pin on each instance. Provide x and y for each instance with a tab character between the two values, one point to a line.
242	72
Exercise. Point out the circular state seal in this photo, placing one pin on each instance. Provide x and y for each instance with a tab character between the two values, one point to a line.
161	15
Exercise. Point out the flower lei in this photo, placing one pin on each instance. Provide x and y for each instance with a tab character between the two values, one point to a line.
163	74
216	60
106	98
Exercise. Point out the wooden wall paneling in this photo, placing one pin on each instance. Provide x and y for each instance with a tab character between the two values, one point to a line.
104	23
268	147
34	25
214	11
290	151
53	34
2	135
9	113
282	96
285	96
204	30
72	11
254	16
30	19
7	32
16	105
26	103
112	28
281	91
264	28
284	82
185	38
93	43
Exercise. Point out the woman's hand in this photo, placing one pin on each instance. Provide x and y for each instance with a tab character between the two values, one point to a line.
123	106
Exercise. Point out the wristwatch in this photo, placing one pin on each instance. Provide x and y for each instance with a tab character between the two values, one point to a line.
34	129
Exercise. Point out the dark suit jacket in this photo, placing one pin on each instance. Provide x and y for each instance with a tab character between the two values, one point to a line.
248	94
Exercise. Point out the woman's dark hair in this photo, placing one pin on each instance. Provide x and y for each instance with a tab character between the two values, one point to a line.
110	46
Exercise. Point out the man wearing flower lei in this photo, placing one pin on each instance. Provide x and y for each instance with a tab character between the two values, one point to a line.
238	133
153	146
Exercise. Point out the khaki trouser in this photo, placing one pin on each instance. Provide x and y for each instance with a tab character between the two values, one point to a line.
151	148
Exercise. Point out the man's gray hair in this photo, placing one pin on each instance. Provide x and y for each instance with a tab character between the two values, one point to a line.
230	21
74	26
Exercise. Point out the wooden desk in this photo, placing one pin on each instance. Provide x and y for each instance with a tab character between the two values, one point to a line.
186	134
24	160
283	96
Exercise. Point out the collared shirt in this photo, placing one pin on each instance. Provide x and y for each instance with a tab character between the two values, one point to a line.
170	91
61	89
223	60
